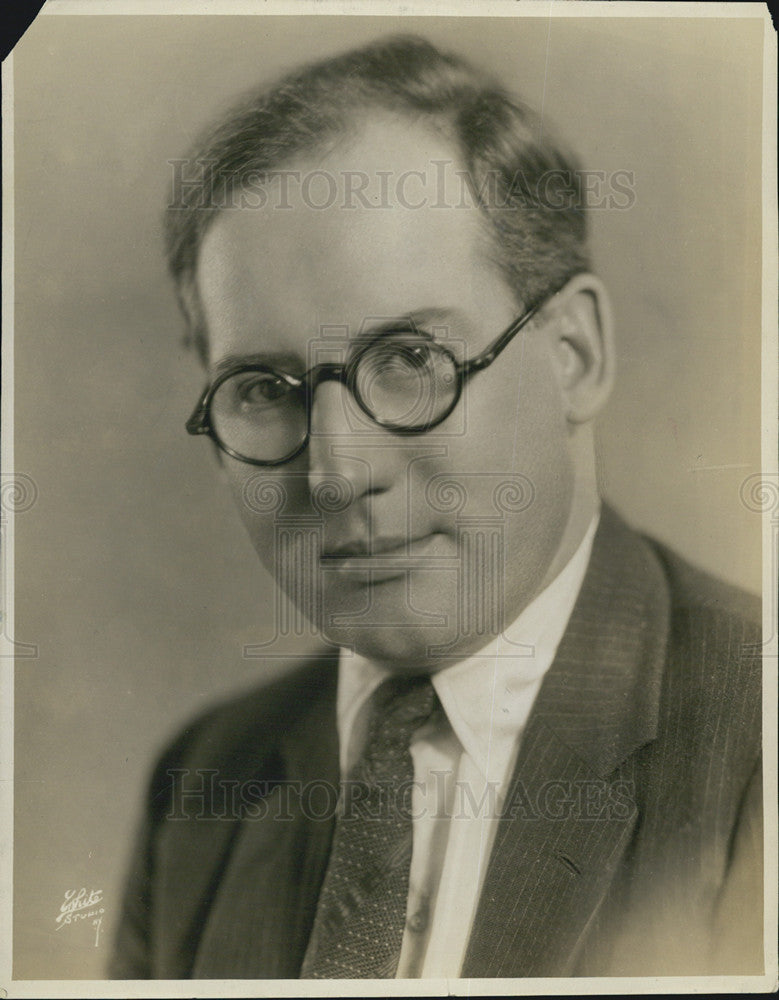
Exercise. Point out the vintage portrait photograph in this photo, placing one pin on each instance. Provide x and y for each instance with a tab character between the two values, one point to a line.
390	508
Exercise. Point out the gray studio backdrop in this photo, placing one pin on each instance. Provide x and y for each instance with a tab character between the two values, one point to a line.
133	577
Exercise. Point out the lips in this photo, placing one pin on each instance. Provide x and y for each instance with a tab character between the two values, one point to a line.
393	545
381	559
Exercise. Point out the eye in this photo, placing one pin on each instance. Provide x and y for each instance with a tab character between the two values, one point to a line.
416	354
260	389
398	353
405	380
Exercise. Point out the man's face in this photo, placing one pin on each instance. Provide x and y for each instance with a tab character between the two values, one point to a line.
429	544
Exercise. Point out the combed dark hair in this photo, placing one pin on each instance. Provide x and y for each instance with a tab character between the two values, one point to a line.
508	157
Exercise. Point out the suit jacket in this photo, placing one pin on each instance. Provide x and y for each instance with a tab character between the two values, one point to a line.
630	842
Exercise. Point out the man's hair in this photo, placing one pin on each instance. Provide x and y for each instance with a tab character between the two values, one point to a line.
519	176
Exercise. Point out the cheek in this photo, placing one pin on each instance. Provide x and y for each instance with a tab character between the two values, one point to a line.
265	500
515	419
244	487
542	454
518	433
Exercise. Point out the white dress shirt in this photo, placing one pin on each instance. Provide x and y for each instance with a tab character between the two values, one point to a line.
463	762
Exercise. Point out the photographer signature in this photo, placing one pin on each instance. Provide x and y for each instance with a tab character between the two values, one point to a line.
80	905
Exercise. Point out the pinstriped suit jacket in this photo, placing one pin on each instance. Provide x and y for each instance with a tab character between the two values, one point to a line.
631	841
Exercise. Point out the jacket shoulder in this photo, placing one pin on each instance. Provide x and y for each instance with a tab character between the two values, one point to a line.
694	590
240	736
715	626
712	701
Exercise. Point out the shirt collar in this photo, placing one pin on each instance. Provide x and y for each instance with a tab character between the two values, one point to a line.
488	696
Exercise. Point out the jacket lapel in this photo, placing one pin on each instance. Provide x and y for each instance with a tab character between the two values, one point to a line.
259	872
570	809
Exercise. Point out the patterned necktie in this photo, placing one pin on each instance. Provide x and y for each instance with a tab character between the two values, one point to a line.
358	929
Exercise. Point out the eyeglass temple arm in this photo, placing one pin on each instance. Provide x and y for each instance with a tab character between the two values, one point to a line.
483	360
199	423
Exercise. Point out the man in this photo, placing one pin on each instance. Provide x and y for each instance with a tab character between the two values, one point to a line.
537	752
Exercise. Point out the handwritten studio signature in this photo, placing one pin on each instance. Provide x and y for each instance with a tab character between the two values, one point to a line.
82	905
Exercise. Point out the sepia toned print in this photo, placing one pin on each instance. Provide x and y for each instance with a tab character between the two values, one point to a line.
472	686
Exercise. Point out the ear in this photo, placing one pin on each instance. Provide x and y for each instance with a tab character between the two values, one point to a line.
582	347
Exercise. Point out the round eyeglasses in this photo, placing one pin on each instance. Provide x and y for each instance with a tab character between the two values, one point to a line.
402	379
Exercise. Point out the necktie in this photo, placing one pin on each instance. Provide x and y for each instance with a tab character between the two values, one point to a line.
358	928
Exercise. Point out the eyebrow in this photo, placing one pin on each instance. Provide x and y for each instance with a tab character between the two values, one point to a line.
279	360
419	318
287	361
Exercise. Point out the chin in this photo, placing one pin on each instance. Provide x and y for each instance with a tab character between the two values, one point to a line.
390	646
393	622
419	620
409	651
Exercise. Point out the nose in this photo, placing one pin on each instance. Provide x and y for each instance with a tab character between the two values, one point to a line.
342	449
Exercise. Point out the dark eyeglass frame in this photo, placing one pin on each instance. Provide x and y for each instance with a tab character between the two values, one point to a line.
346	374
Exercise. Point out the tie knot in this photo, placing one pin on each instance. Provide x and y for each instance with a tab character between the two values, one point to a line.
400	706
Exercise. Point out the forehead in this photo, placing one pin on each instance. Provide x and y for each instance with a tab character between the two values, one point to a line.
378	226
